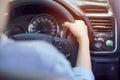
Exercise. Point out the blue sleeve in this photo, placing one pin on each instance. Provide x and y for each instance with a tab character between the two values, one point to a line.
34	55
83	73
37	55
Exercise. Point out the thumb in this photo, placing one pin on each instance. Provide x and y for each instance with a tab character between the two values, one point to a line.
66	24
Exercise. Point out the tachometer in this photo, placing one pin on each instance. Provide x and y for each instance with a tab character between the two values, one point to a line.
15	29
45	24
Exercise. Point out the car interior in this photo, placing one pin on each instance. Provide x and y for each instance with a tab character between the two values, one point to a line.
42	20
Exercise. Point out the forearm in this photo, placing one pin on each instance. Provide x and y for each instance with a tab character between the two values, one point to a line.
84	53
79	30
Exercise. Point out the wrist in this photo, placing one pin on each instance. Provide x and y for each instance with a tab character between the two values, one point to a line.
83	40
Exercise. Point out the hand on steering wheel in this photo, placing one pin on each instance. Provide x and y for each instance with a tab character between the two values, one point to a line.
78	29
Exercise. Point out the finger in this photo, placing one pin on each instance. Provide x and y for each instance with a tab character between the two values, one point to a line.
80	21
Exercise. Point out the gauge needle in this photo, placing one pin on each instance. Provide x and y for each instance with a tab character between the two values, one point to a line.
38	31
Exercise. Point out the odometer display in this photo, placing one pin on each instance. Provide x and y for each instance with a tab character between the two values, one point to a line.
45	24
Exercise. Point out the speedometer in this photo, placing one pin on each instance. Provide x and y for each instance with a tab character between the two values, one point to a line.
45	24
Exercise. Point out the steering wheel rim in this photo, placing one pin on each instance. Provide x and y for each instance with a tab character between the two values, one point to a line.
51	5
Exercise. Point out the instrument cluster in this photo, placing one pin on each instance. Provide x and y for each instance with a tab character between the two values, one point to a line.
41	23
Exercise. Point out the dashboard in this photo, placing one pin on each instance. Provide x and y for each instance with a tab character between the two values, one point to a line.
98	16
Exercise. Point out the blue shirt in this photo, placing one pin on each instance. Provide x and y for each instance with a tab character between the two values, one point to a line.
38	56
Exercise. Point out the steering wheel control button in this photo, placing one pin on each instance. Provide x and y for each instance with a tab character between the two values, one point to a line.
98	45
68	55
109	43
60	47
63	46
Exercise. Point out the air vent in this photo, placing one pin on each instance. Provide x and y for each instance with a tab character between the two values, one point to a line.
94	9
102	24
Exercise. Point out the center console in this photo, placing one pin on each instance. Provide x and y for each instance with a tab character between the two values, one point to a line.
105	39
101	18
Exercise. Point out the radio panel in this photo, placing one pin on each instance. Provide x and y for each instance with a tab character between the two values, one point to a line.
104	34
104	41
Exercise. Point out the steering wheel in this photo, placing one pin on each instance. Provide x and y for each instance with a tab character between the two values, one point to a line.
67	46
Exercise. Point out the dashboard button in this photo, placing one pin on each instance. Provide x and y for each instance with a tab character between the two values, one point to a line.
98	45
101	39
109	43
